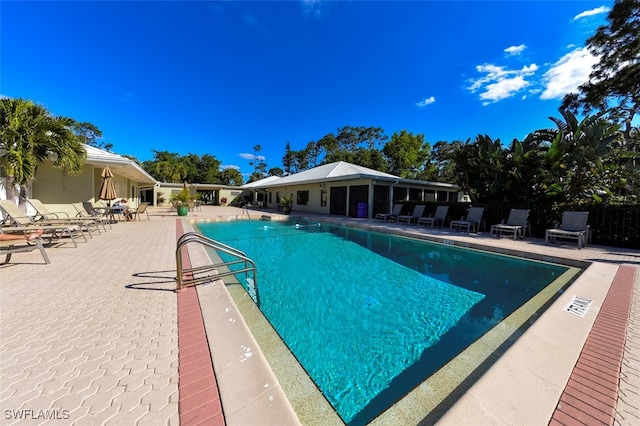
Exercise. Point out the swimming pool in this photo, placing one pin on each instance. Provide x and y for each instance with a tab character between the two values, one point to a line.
370	316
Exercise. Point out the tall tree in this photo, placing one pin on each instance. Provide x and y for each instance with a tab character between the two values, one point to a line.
231	177
276	171
342	147
201	169
406	154
312	151
91	135
259	166
441	164
30	135
464	157
614	81
288	159
167	167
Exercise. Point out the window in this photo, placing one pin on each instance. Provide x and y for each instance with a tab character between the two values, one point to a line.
323	198
302	198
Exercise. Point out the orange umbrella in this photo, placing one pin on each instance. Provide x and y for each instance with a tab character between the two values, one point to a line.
107	190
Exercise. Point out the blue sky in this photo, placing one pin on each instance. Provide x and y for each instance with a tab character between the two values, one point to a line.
220	77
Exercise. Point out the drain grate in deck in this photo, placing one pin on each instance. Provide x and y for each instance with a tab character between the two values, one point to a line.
579	306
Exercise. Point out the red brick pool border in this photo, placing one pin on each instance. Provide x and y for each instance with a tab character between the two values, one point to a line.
591	394
199	399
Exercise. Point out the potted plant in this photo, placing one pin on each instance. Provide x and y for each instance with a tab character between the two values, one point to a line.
285	203
181	201
223	201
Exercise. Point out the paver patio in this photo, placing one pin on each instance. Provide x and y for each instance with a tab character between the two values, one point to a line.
93	337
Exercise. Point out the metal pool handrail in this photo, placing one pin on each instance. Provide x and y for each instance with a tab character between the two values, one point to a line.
240	257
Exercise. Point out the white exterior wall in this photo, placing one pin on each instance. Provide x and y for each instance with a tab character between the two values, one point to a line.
57	190
314	204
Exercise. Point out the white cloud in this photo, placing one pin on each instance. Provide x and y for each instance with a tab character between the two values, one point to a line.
252	157
568	73
592	12
230	166
426	101
312	7
500	83
515	50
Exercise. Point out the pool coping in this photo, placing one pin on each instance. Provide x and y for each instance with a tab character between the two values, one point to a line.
247	386
507	251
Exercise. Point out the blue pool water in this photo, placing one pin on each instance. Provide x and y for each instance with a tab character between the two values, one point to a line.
370	316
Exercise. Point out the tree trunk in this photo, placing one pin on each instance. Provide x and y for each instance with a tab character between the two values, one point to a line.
24	195
11	188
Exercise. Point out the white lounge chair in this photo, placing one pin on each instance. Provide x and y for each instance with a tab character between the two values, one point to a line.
471	223
415	216
438	218
14	216
574	226
397	208
516	224
45	215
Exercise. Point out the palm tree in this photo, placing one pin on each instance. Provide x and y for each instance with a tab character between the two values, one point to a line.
30	135
464	157
578	159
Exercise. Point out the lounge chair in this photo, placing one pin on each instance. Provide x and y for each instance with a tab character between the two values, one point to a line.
86	210
516	224
7	248
472	222
44	215
21	223
142	208
397	208
574	226
39	218
438	218
414	216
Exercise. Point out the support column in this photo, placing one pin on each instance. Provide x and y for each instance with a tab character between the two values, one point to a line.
370	201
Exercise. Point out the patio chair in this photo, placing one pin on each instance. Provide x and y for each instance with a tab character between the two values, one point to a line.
44	215
397	208
137	212
8	248
471	223
86	210
21	223
42	211
415	215
438	218
574	226
516	224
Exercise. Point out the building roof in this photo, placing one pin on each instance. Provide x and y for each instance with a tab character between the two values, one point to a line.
340	170
119	165
261	182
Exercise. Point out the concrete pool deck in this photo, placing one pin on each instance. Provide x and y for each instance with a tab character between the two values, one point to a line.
93	338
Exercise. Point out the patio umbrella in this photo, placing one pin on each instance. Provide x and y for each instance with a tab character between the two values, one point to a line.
107	190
